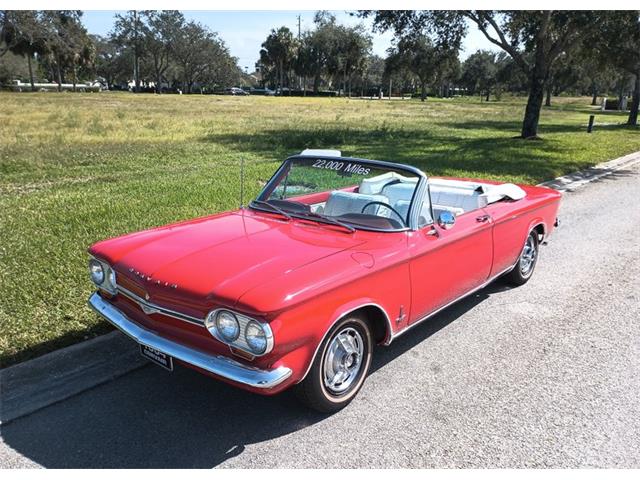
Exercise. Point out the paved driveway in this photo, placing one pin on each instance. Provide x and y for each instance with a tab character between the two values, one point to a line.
542	375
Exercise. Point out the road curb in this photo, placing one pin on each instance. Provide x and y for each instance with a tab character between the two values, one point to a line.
56	376
577	179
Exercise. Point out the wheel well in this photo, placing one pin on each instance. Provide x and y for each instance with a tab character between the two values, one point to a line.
540	231
377	320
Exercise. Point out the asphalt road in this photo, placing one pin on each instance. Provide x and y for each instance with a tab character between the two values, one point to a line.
545	375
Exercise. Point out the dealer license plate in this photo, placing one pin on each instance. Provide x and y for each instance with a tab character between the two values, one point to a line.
157	357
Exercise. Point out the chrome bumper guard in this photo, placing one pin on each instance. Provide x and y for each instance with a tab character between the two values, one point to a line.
212	363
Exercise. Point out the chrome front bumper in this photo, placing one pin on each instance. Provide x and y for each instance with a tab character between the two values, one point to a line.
212	363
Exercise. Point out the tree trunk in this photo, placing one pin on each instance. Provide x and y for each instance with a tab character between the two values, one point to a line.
344	81
534	105
635	102
33	87
594	91
316	83
423	93
620	95
59	73
136	71
547	101
488	93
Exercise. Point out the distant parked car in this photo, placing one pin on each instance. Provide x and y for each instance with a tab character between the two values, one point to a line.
235	91
262	91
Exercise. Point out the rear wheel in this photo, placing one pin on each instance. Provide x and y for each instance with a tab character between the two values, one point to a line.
523	270
340	367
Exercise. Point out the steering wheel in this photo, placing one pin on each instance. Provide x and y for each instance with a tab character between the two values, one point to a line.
386	205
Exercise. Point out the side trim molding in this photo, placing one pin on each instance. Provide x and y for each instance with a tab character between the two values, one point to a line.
395	335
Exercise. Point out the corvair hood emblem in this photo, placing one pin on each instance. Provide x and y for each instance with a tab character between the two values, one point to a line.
150	279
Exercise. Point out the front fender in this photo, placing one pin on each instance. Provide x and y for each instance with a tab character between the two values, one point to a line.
299	332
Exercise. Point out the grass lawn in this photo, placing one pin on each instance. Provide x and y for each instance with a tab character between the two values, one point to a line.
77	168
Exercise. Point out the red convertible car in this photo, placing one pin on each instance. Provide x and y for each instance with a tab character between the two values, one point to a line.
335	255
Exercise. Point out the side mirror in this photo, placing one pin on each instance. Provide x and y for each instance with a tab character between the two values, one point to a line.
446	220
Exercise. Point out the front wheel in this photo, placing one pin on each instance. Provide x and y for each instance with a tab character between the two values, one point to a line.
339	368
523	270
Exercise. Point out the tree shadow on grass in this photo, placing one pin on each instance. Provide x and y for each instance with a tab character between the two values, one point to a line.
436	154
153	419
62	341
544	128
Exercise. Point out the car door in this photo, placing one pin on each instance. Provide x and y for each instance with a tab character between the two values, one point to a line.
510	230
446	264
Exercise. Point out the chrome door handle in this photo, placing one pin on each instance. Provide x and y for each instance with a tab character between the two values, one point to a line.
483	218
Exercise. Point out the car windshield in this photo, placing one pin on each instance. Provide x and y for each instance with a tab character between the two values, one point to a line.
351	193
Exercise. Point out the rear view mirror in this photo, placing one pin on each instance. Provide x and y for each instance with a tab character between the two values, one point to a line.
446	220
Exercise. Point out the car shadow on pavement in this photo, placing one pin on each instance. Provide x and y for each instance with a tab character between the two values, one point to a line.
154	419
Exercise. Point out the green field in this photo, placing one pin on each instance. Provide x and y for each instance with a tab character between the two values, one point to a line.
76	168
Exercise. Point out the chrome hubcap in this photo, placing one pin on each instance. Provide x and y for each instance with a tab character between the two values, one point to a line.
528	256
343	360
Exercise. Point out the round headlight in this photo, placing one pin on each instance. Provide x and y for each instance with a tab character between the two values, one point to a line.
256	337
96	271
227	325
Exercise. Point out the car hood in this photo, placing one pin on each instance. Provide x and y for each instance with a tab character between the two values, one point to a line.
218	258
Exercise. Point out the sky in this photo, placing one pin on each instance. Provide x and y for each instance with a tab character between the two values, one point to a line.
244	31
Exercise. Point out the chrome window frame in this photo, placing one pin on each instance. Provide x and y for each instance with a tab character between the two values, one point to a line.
418	193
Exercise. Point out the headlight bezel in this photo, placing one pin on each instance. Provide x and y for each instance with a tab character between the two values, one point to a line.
240	342
109	281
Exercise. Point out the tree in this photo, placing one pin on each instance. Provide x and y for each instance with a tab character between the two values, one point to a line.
566	72
67	44
596	70
81	51
129	32
12	67
421	57
616	36
304	64
159	30
316	49
23	34
111	60
480	73
373	73
351	49
202	57
278	54
543	34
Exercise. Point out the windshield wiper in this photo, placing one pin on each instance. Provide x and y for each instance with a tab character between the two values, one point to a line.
325	219
273	208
